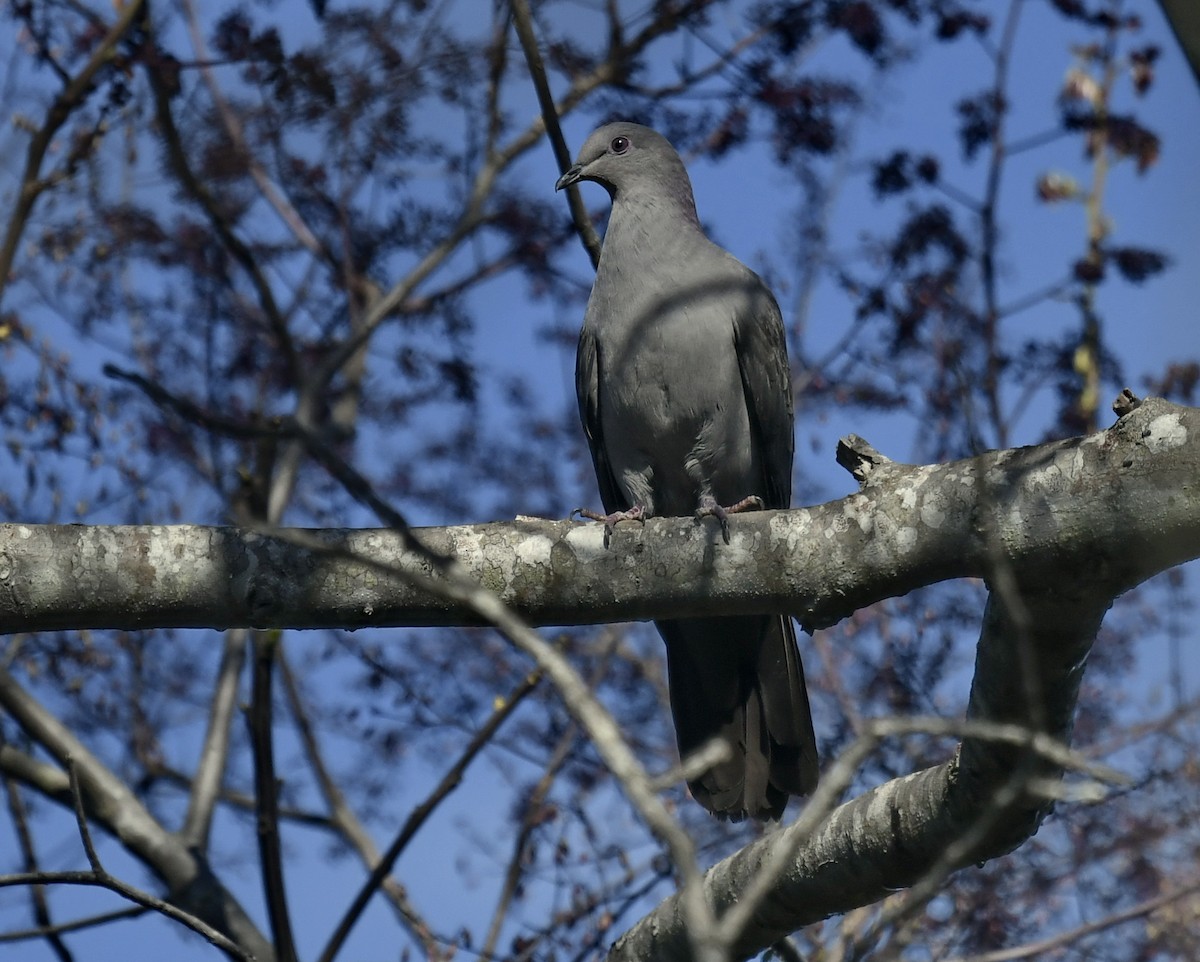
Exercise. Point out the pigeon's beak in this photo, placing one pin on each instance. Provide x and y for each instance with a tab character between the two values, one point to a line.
572	176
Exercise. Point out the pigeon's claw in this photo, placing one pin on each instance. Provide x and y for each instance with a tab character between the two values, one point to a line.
709	508
636	513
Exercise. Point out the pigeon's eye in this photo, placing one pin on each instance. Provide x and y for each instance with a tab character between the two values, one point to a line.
620	145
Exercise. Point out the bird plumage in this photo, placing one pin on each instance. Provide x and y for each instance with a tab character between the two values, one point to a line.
684	392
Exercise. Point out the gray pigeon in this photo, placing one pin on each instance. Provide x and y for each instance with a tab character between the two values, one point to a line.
685	394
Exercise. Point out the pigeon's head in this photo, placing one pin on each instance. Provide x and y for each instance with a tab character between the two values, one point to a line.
628	158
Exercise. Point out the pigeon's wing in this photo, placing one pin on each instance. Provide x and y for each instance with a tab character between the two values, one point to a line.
587	392
761	347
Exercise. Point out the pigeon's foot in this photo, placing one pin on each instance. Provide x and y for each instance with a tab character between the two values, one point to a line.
636	513
710	509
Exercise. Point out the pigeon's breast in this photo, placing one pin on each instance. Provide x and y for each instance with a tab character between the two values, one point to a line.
673	406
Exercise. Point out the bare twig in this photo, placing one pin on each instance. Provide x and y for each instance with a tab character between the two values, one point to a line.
110	802
266	795
214	755
100	876
144	899
68	100
177	156
988	228
342	818
523	20
85	834
75	925
531	818
37	893
237	136
715	751
532	811
421	813
1042	948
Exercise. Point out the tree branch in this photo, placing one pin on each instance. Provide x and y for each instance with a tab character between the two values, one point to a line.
910	527
37	893
342	818
136	895
1041	948
421	813
210	770
523	19
266	793
915	830
76	91
75	925
108	801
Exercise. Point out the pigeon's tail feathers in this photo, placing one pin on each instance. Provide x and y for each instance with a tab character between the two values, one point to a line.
740	679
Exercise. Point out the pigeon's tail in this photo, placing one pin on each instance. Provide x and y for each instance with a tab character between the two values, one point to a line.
740	679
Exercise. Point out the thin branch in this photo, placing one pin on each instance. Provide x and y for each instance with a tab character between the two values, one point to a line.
75	925
266	791
1046	946
989	230
532	806
342	818
237	136
37	893
243	801
214	755
472	217
523	19
145	899
177	157
421	813
68	100
85	834
100	876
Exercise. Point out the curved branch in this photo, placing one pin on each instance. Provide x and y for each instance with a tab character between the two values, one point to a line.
914	831
136	895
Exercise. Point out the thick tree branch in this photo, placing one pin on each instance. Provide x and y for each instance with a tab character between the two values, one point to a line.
916	830
1056	560
1120	505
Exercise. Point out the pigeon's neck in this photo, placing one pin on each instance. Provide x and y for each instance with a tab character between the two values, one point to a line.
654	220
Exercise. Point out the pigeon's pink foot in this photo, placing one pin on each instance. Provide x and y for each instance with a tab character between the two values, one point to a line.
636	513
710	509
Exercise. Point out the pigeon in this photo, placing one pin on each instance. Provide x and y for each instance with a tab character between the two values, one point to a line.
684	391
